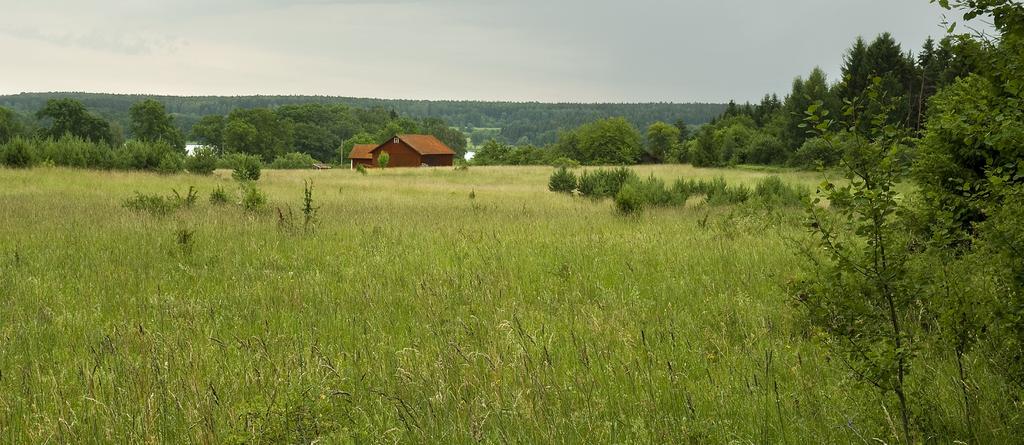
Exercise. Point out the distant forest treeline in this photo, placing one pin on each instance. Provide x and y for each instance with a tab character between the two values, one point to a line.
520	123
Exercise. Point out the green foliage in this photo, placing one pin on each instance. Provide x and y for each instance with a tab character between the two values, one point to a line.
158	205
604	183
361	169
153	204
715	191
219	196
68	117
662	140
629	200
72	151
817	151
17	153
258	132
562	180
862	296
603	142
294	161
499	153
246	168
702	151
202	161
974	136
253	200
10	126
762	148
309	210
652	192
171	163
190	198
383	159
209	130
522	123
150	122
773	192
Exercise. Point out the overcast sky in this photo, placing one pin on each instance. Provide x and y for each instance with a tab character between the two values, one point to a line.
543	50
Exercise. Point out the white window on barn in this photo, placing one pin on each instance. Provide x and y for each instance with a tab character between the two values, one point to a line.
396	140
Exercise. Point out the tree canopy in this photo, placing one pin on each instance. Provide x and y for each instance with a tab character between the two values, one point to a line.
68	117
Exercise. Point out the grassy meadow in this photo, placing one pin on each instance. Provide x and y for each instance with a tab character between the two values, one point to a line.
414	313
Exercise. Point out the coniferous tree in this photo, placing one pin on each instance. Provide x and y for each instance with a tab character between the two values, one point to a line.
856	76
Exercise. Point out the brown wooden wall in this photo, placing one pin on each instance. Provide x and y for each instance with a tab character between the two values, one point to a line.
401	154
438	160
364	162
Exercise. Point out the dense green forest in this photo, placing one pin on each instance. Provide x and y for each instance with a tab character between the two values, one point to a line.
773	131
520	123
65	132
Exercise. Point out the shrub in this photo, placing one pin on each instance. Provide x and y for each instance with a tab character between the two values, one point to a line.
247	168
604	183
361	169
629	200
219	196
817	150
772	191
153	204
18	153
716	191
202	162
230	161
253	199
72	151
293	161
461	165
383	159
190	198
139	155
653	192
171	163
563	181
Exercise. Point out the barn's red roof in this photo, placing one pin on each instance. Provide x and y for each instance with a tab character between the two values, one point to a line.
362	151
426	144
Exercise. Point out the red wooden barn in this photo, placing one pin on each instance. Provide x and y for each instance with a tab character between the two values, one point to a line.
405	150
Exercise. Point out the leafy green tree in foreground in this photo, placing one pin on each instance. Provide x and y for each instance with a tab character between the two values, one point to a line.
861	297
970	169
151	123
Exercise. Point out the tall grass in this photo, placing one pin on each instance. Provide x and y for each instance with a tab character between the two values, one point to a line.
415	314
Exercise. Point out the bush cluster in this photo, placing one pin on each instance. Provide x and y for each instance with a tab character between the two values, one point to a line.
246	167
293	161
70	151
632	193
202	162
562	181
604	183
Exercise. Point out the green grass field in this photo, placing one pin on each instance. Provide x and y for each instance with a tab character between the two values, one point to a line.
412	313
